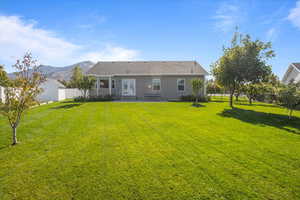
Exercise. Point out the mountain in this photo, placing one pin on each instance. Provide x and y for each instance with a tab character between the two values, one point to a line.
62	73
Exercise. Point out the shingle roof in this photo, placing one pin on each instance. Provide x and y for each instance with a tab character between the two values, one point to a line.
147	68
297	65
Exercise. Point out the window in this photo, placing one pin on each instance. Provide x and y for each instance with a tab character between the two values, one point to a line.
156	84
113	83
180	84
103	83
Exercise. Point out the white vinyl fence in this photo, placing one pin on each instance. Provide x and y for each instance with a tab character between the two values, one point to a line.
60	94
68	93
2	95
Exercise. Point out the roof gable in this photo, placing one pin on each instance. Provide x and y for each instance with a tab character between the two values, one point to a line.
297	65
147	68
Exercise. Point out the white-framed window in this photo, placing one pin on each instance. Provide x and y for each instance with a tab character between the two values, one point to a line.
181	84
156	84
113	83
104	83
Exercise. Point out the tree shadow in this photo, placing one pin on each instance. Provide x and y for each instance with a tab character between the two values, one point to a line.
257	104
68	101
197	105
68	106
262	118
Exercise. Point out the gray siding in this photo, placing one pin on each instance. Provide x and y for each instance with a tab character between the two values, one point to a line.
167	91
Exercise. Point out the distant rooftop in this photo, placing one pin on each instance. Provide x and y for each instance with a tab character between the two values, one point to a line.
147	68
297	65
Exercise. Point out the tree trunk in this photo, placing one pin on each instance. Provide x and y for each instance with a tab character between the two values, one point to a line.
250	100
237	97
290	114
231	100
14	136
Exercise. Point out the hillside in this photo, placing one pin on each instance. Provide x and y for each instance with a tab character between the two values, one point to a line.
62	73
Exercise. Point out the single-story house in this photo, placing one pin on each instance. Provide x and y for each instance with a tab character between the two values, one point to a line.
50	90
138	80
292	73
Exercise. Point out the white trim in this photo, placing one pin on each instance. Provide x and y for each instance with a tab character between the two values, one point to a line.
97	87
295	67
109	85
134	87
179	79
159	85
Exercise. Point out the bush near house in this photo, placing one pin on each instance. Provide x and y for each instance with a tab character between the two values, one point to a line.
90	99
192	98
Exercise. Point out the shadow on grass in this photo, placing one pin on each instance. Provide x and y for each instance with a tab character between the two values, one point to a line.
198	105
256	104
262	118
68	106
68	101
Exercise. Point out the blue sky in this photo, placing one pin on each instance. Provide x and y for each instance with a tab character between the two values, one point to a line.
65	32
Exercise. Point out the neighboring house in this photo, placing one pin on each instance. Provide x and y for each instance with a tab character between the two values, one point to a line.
50	90
292	73
163	80
2	95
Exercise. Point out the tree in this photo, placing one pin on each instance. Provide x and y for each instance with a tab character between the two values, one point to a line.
65	83
197	85
4	81
244	62
86	84
238	92
22	92
212	87
273	86
76	77
227	69
289	96
252	91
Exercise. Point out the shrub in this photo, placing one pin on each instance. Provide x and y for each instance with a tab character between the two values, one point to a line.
98	98
190	98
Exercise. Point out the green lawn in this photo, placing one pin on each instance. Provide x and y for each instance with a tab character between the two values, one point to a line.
115	150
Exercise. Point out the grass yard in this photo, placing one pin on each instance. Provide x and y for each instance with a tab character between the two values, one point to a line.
115	150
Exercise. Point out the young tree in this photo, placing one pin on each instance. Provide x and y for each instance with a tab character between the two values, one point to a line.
86	84
22	92
197	85
242	63
289	96
76	77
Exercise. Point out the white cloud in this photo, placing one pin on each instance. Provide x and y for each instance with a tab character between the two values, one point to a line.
227	17
111	52
294	15
271	34
18	36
